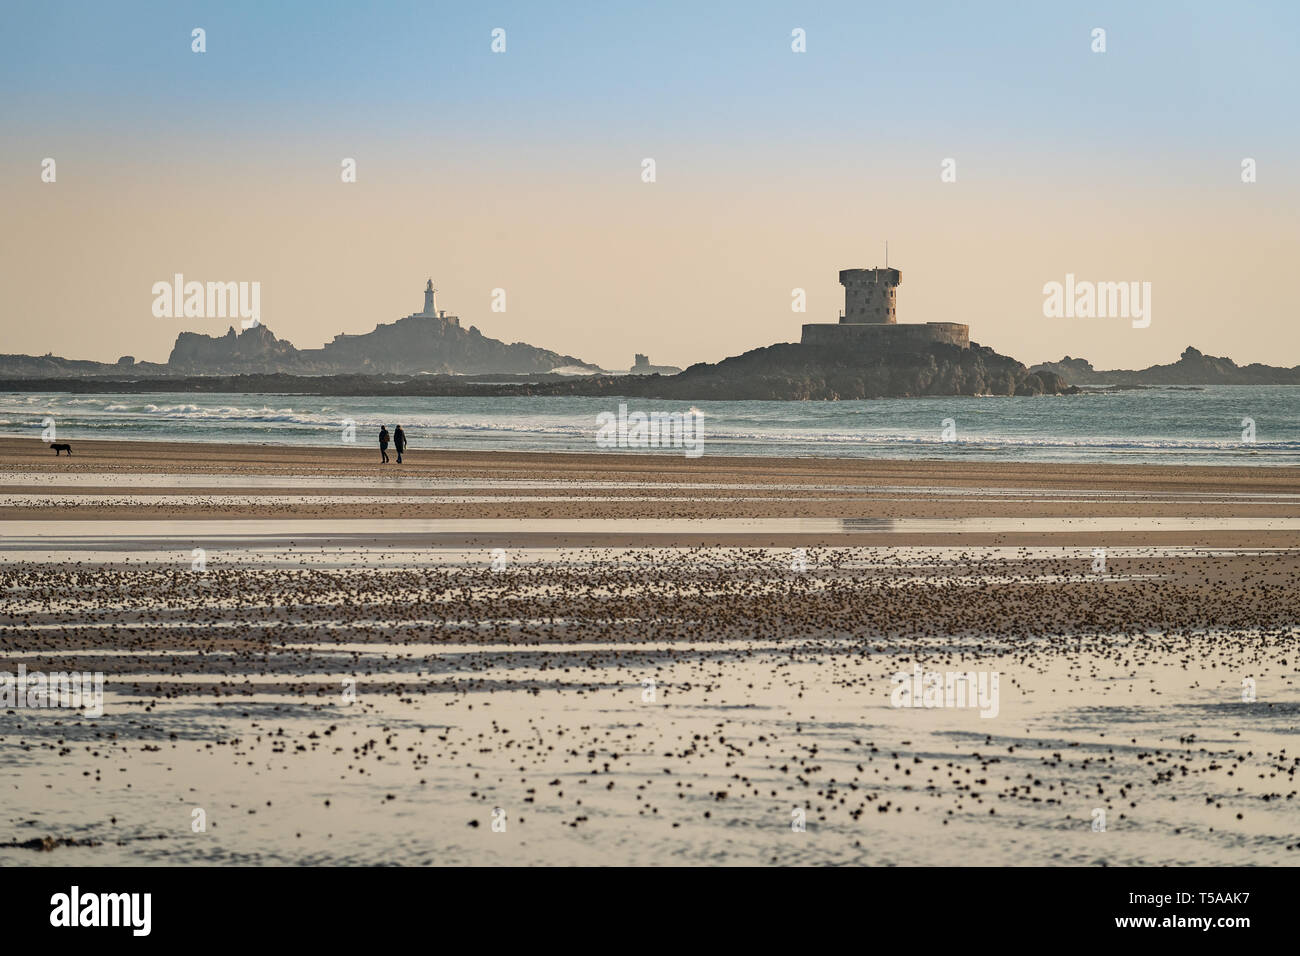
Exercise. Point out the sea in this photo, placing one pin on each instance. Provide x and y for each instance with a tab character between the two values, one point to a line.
1213	425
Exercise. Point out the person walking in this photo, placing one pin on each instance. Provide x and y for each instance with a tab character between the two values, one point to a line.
383	444
399	442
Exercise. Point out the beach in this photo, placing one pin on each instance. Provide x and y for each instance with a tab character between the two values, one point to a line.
637	658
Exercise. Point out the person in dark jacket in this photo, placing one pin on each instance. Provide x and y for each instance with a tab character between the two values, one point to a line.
383	444
399	442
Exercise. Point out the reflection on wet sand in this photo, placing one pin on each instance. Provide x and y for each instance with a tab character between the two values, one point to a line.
677	681
251	532
654	705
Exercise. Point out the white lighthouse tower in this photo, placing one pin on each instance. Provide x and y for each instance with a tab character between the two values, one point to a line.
430	310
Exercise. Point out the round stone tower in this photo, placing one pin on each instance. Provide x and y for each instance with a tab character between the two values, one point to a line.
870	296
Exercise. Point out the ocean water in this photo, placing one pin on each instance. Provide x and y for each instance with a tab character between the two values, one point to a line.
1159	425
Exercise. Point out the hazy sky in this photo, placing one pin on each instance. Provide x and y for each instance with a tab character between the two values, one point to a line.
522	170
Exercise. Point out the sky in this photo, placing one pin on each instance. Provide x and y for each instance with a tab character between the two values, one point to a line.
523	171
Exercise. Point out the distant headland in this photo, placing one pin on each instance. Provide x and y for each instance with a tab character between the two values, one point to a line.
1193	367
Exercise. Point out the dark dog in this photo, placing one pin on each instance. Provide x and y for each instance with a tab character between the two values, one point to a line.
62	446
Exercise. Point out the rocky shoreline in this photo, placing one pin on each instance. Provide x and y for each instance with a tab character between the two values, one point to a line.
786	372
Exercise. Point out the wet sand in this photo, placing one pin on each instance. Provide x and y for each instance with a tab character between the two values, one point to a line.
198	458
653	694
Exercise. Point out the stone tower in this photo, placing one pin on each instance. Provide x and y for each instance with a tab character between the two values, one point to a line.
429	307
870	320
870	296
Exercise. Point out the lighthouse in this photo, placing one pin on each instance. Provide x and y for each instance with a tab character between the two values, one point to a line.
430	310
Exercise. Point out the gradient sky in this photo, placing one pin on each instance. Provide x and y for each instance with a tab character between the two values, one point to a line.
522	170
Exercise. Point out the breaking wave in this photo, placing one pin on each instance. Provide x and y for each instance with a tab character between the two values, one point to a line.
1171	426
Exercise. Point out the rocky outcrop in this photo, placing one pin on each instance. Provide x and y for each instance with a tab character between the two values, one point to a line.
255	349
52	366
782	372
1192	368
430	344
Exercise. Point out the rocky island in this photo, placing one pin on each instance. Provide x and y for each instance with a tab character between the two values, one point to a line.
426	342
1192	368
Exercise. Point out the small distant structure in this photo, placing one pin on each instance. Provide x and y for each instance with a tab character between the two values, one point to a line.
126	360
641	366
870	317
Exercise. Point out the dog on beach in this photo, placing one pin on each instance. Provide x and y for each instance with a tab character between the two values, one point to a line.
61	446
